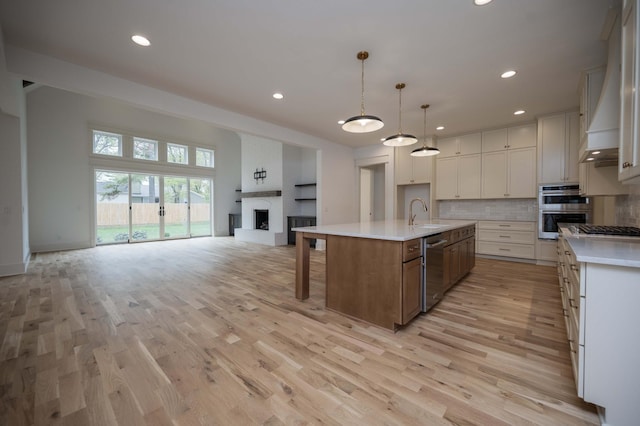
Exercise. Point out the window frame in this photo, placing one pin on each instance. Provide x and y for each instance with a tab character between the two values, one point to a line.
119	137
184	148
211	154
145	140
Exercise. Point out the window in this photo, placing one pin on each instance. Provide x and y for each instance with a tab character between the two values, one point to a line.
204	157
105	143
145	149
177	154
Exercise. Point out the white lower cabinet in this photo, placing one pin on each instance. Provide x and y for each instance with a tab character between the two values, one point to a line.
600	310
507	238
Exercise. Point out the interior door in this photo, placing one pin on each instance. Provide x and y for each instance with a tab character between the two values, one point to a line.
366	194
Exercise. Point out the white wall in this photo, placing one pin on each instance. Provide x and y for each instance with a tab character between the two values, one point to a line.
14	243
61	176
336	183
261	153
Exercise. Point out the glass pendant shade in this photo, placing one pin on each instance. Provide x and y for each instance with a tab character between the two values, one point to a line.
400	139
425	151
362	123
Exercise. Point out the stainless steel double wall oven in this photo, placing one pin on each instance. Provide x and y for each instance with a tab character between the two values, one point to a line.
561	203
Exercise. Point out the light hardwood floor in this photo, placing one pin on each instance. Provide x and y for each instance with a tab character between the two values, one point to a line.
208	331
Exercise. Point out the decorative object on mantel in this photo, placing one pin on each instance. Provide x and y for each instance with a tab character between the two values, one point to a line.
260	175
362	123
425	151
400	139
259	194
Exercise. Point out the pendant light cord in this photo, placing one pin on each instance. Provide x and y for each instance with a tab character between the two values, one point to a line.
400	110
362	86
424	143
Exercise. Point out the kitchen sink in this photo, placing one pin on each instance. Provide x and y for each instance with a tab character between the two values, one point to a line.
426	226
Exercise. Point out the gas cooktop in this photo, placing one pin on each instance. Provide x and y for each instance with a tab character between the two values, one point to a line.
623	231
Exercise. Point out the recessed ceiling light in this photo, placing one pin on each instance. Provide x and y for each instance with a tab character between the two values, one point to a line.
508	74
590	159
519	112
140	40
595	153
440	128
341	122
481	2
278	95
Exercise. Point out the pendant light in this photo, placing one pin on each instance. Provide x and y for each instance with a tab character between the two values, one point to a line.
400	139
362	123
425	151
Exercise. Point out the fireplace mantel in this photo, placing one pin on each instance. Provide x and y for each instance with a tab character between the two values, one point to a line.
260	194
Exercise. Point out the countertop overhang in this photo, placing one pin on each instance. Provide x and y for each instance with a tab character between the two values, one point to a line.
394	230
606	251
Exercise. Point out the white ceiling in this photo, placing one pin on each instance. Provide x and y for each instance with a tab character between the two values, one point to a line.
235	53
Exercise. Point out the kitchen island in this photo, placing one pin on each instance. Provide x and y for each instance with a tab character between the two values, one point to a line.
375	270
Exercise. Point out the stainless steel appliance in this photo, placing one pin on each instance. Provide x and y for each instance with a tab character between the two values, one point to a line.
432	272
561	204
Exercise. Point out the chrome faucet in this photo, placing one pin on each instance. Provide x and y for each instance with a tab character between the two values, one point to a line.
413	216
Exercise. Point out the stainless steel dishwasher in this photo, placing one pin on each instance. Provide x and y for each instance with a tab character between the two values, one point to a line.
433	274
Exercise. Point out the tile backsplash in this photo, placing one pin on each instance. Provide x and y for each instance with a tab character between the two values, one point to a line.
519	209
628	207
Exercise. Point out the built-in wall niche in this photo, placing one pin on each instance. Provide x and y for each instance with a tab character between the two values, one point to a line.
305	191
261	219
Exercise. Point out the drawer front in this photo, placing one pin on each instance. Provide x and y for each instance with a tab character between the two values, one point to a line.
411	249
507	225
506	249
506	236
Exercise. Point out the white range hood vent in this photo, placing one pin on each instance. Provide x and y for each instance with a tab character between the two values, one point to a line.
604	130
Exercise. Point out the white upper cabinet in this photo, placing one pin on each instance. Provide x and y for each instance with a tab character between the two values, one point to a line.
558	142
629	151
412	170
458	177
509	173
509	162
522	136
494	140
510	138
460	145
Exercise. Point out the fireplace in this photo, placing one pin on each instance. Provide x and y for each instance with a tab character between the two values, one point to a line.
262	219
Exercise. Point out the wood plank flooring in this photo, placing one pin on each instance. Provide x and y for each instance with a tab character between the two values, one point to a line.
208	332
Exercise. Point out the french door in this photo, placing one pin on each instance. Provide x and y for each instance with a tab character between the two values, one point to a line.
134	207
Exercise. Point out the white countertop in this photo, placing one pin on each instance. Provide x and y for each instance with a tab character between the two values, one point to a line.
396	230
607	251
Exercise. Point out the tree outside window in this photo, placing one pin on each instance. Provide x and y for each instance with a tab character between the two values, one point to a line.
177	154
204	157
145	149
107	143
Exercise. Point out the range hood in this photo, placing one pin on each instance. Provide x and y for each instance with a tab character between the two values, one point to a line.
601	140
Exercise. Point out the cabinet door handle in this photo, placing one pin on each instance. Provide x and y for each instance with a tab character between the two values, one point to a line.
626	164
504	249
505	226
505	236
